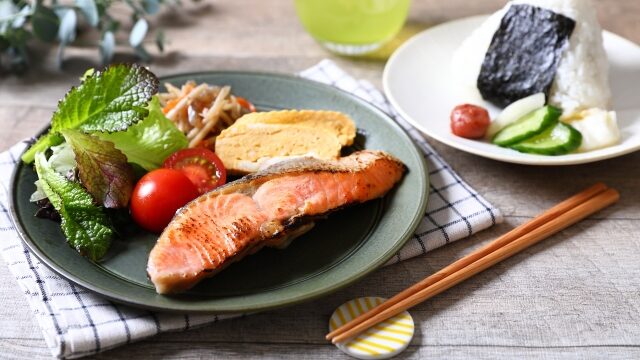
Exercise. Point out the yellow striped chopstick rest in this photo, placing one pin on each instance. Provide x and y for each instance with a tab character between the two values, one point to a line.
382	341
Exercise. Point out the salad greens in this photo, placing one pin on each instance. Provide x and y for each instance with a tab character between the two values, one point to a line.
103	169
111	120
150	141
85	225
62	160
109	100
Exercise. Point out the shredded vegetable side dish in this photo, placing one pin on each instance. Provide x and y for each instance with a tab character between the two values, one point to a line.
202	111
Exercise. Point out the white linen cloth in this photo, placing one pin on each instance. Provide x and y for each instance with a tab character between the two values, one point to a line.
76	322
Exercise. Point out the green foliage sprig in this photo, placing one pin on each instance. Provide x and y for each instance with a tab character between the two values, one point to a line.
22	21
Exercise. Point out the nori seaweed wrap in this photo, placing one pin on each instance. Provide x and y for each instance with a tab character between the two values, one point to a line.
523	57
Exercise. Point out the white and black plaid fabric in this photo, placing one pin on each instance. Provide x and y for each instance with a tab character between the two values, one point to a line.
76	322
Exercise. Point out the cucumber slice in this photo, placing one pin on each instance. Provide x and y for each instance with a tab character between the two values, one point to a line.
528	126
557	140
515	111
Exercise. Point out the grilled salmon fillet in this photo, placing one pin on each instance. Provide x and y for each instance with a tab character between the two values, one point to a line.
267	208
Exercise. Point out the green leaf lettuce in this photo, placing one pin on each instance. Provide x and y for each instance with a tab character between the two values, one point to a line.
61	161
106	101
85	225
109	100
149	142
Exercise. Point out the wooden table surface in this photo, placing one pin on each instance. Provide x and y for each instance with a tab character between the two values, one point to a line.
576	295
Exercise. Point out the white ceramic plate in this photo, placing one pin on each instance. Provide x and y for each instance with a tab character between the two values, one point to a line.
417	81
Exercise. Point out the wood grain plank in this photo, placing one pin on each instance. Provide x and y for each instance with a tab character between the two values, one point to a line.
22	349
310	351
573	296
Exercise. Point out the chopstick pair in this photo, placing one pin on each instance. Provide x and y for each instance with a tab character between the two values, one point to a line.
559	217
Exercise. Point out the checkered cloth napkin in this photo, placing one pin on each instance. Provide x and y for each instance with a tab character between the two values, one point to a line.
77	322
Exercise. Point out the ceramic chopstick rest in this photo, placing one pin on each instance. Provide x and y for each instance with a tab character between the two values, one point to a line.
383	341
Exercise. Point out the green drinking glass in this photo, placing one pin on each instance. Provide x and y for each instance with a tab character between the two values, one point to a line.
352	27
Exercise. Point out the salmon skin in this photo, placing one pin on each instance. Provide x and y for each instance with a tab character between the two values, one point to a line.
268	208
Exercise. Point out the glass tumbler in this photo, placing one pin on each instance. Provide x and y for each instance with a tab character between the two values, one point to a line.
352	27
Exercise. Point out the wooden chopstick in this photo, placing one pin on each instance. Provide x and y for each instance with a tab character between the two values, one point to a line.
489	248
553	220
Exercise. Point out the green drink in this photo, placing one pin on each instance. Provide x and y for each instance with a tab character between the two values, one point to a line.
352	27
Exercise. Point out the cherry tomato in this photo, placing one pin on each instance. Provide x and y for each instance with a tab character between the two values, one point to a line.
245	104
469	121
202	166
158	195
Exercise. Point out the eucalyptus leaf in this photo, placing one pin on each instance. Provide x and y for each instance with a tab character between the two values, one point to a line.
138	32
4	44
60	55
142	53
151	6
21	18
7	11
17	37
17	59
45	23
107	45
90	11
138	11
51	21
160	40
101	6
112	26
67	29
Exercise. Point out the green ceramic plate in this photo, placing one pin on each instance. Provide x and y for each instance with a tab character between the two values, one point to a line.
337	252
